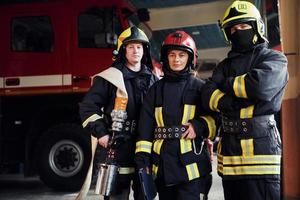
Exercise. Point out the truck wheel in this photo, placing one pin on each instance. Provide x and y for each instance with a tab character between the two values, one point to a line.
64	157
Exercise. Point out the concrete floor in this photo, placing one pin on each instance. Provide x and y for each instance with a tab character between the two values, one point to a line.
18	188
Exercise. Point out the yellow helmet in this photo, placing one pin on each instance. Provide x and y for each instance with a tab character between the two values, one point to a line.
242	12
132	34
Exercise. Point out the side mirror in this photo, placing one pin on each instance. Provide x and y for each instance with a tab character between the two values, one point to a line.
143	14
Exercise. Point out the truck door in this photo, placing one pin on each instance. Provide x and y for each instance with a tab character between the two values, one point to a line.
28	67
32	62
96	33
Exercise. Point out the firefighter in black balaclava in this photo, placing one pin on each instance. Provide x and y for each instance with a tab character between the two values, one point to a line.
246	89
173	127
108	99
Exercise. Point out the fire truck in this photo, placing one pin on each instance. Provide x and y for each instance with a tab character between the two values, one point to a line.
48	54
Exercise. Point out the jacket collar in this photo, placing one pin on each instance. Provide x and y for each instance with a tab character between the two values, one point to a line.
128	73
232	53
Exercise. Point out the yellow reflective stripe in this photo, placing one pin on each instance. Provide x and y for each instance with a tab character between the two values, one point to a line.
143	146
192	171
214	99
185	145
211	126
157	146
252	170
247	147
220	168
256	159
159	117
219	146
247	112
220	158
239	87
154	170
92	118
188	113
126	170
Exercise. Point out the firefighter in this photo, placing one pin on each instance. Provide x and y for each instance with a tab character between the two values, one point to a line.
172	129
246	89
133	62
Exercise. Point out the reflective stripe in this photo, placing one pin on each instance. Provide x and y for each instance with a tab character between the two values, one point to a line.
92	118
154	170
185	145
126	170
214	100
220	158
159	117
220	168
260	164
247	112
239	87
211	126
143	146
247	147
157	146
192	171
256	159
38	81
252	170
160	123
219	146
188	113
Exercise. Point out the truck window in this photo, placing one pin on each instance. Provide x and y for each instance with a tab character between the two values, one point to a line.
98	28
32	34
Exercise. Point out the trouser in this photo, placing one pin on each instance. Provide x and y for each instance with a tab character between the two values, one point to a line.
122	188
252	189
184	191
205	186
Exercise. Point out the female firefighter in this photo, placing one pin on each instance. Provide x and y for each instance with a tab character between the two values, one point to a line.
172	128
110	108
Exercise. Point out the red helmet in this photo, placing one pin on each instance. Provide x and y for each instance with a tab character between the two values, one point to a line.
182	41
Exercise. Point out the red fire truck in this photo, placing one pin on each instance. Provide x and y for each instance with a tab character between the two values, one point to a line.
48	53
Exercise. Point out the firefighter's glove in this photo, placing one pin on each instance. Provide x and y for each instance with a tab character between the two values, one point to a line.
142	160
230	103
98	130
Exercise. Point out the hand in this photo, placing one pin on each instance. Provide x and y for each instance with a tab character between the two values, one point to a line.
147	169
189	133
103	141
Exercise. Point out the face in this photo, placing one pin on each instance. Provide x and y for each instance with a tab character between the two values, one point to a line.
177	59
134	52
239	27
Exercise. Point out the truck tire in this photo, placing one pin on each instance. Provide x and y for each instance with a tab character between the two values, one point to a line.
63	157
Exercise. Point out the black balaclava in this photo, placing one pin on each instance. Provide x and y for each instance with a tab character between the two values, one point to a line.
244	40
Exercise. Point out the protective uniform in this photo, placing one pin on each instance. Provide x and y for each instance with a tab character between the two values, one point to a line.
97	106
177	164
246	89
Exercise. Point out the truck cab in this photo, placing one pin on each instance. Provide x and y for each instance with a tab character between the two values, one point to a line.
48	54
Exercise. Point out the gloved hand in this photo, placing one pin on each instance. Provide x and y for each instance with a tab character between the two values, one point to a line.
142	160
230	103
